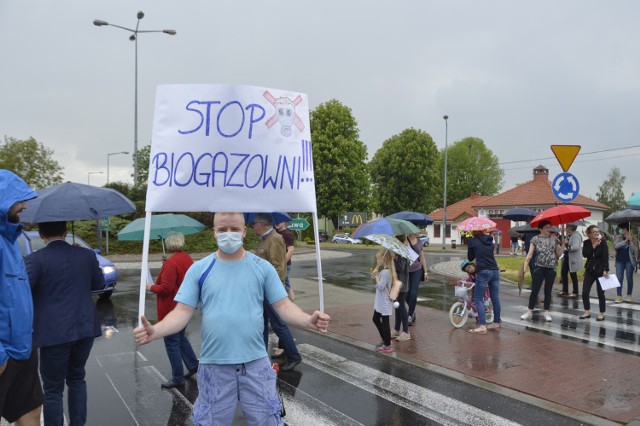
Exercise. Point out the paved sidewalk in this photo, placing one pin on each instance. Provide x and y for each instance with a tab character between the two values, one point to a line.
590	384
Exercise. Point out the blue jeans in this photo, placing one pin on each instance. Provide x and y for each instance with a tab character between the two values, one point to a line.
178	350
487	278
412	295
621	267
282	331
57	364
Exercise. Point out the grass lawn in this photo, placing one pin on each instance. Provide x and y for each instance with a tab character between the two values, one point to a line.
511	265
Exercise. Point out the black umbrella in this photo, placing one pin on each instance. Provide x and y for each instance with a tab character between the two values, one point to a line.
418	219
622	216
519	213
525	229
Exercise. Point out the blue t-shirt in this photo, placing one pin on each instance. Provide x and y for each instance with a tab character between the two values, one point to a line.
231	303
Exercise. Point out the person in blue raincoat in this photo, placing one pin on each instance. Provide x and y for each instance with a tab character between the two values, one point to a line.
20	389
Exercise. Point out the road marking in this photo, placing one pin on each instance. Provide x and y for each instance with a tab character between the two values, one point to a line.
418	399
304	409
587	325
155	372
121	398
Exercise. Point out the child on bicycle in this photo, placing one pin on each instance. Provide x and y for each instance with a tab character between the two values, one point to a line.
470	268
383	305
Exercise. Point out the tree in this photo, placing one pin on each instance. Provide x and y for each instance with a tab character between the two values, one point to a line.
30	160
471	167
403	172
611	193
339	160
143	155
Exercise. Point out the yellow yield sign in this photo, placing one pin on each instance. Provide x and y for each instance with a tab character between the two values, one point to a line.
565	154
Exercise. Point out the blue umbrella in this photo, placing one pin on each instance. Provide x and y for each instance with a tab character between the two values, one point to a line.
634	200
75	201
385	226
419	219
278	217
519	214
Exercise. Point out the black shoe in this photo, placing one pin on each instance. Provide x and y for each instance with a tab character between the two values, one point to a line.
191	373
291	364
171	384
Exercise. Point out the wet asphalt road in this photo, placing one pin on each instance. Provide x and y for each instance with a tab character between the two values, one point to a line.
336	384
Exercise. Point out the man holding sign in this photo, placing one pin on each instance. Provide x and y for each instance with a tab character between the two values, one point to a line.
234	364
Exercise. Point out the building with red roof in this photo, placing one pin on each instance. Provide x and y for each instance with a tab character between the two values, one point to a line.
535	194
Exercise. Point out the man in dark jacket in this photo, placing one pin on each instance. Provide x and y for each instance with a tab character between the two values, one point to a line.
62	277
20	390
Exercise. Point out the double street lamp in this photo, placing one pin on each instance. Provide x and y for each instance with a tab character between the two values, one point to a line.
134	38
89	176
446	150
109	155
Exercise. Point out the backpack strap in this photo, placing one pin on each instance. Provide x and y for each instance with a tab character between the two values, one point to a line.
204	275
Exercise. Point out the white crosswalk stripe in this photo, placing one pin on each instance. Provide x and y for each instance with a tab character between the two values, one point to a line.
430	404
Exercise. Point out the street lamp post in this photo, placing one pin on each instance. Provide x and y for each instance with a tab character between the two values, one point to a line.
109	155
89	176
134	38
446	152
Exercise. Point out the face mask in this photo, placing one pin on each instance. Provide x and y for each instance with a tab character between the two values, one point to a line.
229	242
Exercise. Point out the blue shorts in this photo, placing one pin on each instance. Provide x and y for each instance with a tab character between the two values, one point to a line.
222	386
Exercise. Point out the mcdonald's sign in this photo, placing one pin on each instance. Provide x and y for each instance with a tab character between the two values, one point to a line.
353	218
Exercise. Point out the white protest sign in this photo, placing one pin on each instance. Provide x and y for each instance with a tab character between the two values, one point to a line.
230	148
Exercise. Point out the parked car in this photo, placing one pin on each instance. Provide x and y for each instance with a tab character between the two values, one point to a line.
424	240
30	242
345	239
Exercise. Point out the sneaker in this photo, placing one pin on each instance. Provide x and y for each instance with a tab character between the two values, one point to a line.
573	296
385	349
379	345
413	318
403	337
618	299
628	298
547	317
526	316
394	334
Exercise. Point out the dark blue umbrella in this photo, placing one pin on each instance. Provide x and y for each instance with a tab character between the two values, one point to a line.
419	219
75	201
519	213
278	217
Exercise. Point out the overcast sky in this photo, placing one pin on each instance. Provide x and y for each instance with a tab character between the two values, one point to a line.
520	75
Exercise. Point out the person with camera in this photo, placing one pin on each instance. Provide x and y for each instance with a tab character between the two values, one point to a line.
626	247
595	250
571	262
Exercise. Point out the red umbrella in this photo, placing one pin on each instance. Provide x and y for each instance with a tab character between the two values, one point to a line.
564	213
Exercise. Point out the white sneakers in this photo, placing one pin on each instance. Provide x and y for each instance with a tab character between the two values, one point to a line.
403	337
628	298
618	299
528	315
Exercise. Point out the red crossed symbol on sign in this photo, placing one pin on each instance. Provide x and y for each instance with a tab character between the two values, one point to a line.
276	102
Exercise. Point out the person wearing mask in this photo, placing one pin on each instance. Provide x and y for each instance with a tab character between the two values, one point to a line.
487	274
234	364
166	287
626	248
595	250
546	249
